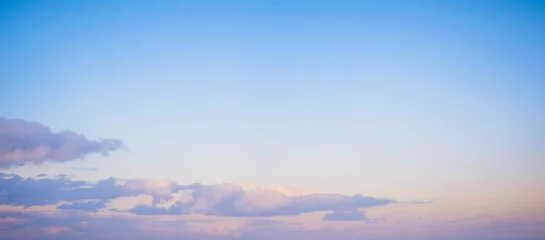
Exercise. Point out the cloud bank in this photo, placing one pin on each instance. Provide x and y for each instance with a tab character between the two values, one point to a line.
36	225
23	142
170	198
235	201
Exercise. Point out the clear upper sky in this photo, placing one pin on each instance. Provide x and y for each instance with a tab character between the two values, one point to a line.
403	99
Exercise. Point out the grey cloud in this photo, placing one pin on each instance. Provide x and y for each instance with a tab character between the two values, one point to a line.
149	210
89	206
346	216
18	191
23	142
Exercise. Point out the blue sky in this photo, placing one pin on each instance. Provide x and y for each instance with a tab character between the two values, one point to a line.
410	100
255	92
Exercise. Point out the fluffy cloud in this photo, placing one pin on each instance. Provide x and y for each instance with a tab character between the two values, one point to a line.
234	200
23	142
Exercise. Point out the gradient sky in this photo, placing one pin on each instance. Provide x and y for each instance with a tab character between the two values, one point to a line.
410	100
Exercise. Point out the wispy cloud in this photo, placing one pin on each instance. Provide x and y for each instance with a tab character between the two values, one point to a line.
23	142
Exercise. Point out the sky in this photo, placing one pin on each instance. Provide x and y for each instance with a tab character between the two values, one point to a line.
273	119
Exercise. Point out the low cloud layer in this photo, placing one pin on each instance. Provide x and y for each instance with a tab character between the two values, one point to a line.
23	142
170	198
35	225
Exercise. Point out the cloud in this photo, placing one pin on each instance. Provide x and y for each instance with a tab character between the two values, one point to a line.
251	207
23	142
18	191
89	206
86	226
233	200
149	210
346	216
170	198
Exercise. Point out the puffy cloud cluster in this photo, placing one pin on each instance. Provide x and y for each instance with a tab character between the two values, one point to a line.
172	198
23	142
233	200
